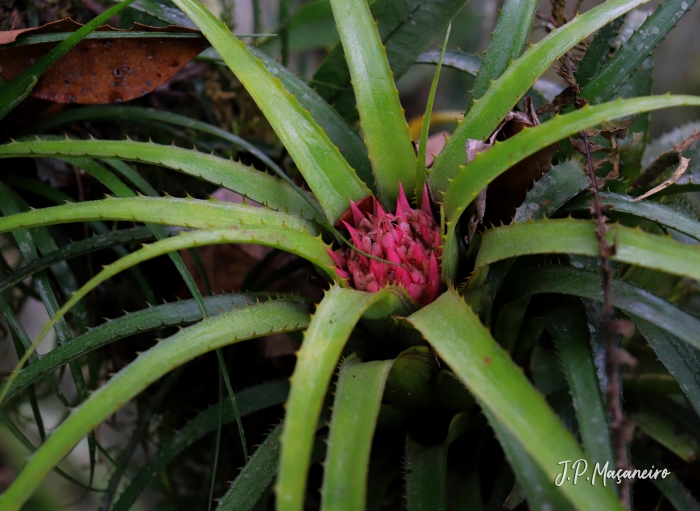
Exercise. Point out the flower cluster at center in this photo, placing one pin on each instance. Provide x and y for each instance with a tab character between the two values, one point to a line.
410	239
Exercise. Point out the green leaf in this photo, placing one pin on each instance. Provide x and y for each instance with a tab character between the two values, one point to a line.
339	132
571	336
627	59
381	116
504	93
470	63
20	87
255	476
671	488
406	27
147	115
681	360
540	491
238	325
568	236
644	209
508	41
330	177
486	166
256	185
425	126
553	190
500	386
598	52
639	84
355	410
169	314
191	213
334	320
630	299
666	431
76	249
249	401
426	476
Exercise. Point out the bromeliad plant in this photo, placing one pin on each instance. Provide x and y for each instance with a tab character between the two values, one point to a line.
432	312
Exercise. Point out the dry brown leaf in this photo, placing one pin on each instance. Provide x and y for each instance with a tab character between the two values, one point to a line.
99	71
677	174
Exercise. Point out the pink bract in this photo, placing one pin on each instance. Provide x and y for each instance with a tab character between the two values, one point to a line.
410	238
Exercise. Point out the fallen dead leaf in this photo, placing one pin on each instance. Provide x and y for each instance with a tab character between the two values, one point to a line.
99	71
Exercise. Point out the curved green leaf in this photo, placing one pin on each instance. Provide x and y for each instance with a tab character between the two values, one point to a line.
330	327
644	209
191	213
151	318
470	63
75	249
381	116
571	337
626	297
539	489
551	191
330	177
681	360
149	366
627	59
568	236
500	386
355	410
508	41
504	93
486	166
298	243
249	401
256	185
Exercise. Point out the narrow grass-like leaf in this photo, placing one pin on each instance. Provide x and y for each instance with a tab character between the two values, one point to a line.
501	387
238	325
630	299
330	177
568	236
470	63
78	248
381	116
169	314
249	401
334	320
681	360
425	126
426	476
551	191
256	185
20	87
508	41
571	336
355	410
504	93
644	209
190	213
627	59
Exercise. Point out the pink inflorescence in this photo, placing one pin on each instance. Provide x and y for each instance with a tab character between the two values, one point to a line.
410	238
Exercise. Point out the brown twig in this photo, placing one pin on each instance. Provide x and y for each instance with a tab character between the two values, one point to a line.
618	427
